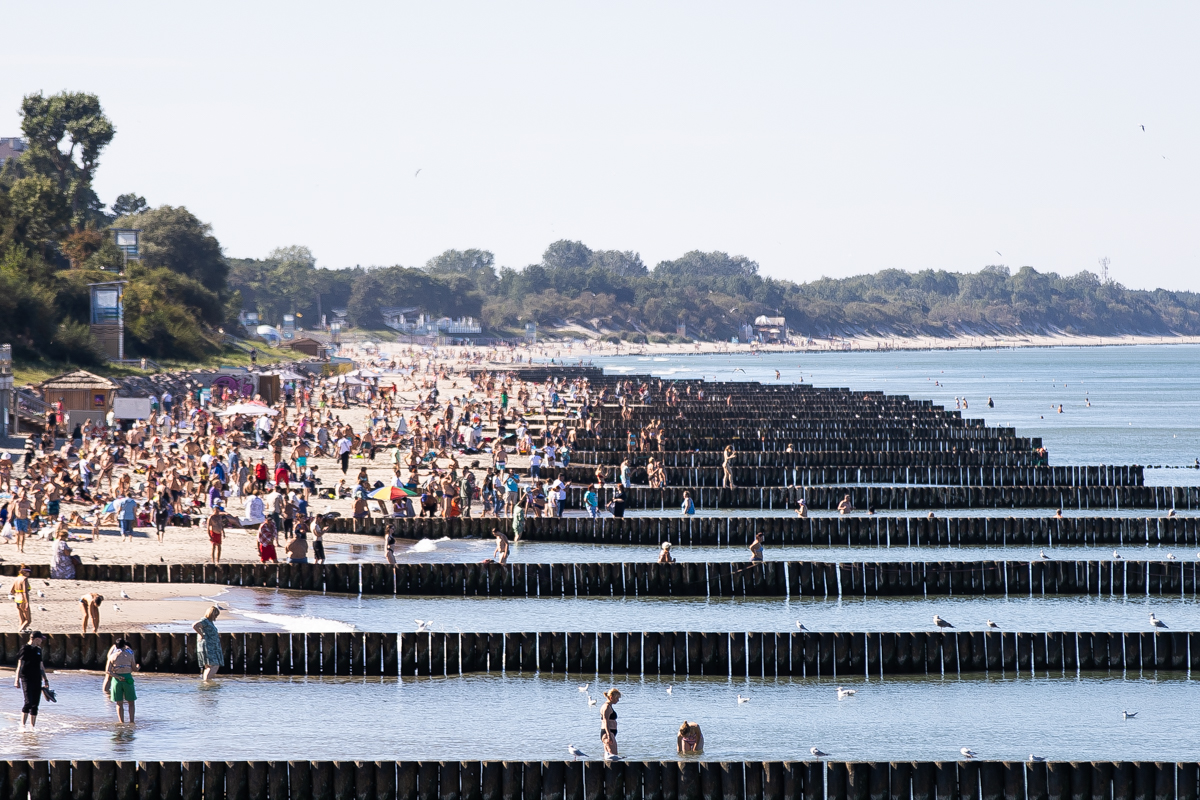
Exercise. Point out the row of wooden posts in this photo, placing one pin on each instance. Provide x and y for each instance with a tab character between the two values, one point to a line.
738	655
856	530
903	498
816	454
594	780
772	475
1125	578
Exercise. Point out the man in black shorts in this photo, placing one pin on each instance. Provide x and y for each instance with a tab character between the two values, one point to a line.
31	677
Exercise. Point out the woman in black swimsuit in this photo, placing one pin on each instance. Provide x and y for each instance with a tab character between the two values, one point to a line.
608	723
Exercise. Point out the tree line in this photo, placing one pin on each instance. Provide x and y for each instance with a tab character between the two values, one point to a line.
56	238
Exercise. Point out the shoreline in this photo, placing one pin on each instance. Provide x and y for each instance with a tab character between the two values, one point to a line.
566	352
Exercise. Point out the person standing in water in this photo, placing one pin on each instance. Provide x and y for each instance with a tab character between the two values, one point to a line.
690	740
31	678
118	678
756	549
208	644
501	553
608	724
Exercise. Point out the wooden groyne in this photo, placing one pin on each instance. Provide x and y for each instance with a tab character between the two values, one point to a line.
595	780
1100	578
858	530
680	653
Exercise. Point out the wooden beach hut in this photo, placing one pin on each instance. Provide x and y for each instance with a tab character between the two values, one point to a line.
84	395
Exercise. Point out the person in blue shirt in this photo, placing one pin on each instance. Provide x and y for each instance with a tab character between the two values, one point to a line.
592	502
512	487
127	516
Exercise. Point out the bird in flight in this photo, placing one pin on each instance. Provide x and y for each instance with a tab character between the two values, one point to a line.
1000	254
418	172
1143	129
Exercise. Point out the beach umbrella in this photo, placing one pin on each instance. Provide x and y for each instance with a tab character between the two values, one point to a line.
247	409
391	493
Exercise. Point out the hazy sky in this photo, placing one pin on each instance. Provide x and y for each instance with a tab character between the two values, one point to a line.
818	139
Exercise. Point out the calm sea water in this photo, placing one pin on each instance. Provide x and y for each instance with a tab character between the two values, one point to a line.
533	716
285	610
1145	399
475	550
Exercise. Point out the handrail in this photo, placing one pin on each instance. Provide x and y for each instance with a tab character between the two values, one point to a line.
30	404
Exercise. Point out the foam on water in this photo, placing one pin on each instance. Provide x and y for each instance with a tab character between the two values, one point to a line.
428	545
297	624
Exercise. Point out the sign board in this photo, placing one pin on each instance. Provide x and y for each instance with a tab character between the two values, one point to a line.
131	407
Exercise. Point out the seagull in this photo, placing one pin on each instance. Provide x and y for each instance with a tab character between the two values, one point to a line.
116	608
1042	555
1156	622
1128	714
42	608
1143	128
800	625
967	752
991	624
423	625
124	595
591	700
743	699
941	623
1034	759
95	558
46	582
41	593
583	689
844	693
1000	254
162	560
669	689
418	172
1118	555
576	752
817	753
1170	556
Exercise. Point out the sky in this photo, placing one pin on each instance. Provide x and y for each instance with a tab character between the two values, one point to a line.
819	139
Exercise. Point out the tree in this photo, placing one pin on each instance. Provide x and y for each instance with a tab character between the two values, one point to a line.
173	238
450	295
128	204
39	212
565	254
478	265
619	262
66	133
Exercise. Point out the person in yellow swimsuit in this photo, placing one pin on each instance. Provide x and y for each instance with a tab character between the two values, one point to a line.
20	593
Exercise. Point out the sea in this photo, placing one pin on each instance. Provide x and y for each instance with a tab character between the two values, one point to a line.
1137	404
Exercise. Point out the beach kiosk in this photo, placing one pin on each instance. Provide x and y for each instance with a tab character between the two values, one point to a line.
84	396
